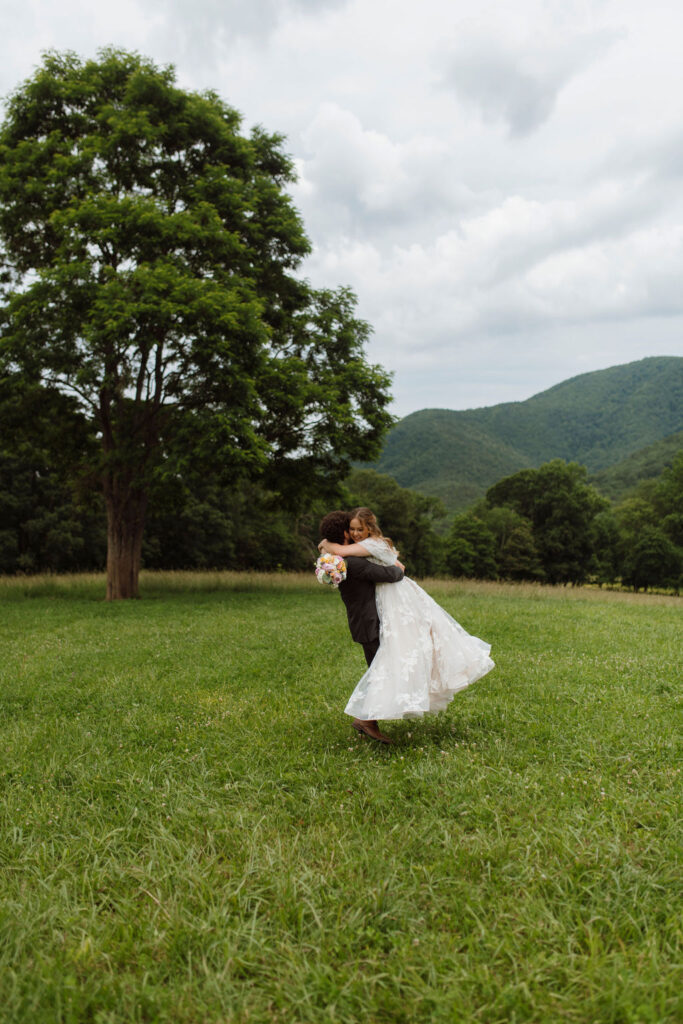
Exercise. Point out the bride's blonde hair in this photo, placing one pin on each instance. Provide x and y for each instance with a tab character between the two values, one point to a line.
368	519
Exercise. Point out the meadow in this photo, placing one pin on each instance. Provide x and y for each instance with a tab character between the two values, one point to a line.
192	833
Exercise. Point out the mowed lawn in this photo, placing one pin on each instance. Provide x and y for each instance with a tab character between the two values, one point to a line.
191	831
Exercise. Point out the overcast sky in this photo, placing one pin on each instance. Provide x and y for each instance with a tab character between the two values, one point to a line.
500	183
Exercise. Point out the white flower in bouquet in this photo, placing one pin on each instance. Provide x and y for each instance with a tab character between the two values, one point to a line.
330	570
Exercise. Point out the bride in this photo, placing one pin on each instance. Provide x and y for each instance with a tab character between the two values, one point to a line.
424	655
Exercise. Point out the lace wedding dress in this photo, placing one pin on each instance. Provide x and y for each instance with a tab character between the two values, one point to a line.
424	655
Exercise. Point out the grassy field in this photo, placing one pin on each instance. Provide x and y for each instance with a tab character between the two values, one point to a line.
191	832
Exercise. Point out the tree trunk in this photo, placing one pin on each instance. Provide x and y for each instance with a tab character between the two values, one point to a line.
125	525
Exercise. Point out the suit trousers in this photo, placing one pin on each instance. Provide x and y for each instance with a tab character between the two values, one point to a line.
370	650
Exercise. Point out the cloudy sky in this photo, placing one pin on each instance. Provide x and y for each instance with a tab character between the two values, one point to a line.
500	183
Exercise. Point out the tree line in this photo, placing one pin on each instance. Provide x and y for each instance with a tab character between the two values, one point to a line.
546	525
550	525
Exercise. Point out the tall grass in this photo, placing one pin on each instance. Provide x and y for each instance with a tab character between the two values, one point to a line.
191	833
156	583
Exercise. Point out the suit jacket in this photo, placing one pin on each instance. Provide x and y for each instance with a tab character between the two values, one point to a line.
358	594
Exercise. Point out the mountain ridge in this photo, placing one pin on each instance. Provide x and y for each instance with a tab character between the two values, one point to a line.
597	419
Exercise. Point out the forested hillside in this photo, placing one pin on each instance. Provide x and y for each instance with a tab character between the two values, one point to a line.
597	419
438	452
646	464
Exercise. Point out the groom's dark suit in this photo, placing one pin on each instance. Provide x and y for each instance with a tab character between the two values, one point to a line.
358	594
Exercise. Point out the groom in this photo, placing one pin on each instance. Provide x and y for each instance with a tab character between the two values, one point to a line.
358	594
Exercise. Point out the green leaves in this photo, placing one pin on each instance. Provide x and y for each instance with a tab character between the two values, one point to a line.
152	248
559	508
323	405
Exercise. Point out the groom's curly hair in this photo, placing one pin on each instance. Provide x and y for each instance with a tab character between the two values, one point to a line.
333	526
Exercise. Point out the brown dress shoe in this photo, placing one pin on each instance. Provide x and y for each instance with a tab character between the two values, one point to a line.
371	730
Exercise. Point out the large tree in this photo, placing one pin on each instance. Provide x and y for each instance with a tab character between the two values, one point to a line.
150	252
560	506
652	561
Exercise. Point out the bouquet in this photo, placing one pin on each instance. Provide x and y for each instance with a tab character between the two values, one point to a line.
331	570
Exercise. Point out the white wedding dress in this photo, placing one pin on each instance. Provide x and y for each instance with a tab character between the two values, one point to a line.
424	655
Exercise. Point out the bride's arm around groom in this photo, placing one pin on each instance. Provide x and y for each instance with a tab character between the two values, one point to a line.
358	589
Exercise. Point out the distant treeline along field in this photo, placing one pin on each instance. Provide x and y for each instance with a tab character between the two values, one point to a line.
593	492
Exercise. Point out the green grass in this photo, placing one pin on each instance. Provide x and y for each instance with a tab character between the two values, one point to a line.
191	833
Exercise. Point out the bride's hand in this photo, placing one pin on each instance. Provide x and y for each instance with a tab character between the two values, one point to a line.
324	547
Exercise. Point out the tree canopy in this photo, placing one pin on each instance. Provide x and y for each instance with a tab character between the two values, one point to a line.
560	507
150	253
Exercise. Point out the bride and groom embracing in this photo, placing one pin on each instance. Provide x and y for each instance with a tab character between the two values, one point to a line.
418	656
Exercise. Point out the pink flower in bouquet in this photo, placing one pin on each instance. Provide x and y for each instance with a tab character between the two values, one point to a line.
330	570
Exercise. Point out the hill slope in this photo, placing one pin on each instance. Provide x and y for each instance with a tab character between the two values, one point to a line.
597	419
646	464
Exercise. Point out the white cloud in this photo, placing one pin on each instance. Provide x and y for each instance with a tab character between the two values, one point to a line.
520	84
635	277
203	29
500	184
359	180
